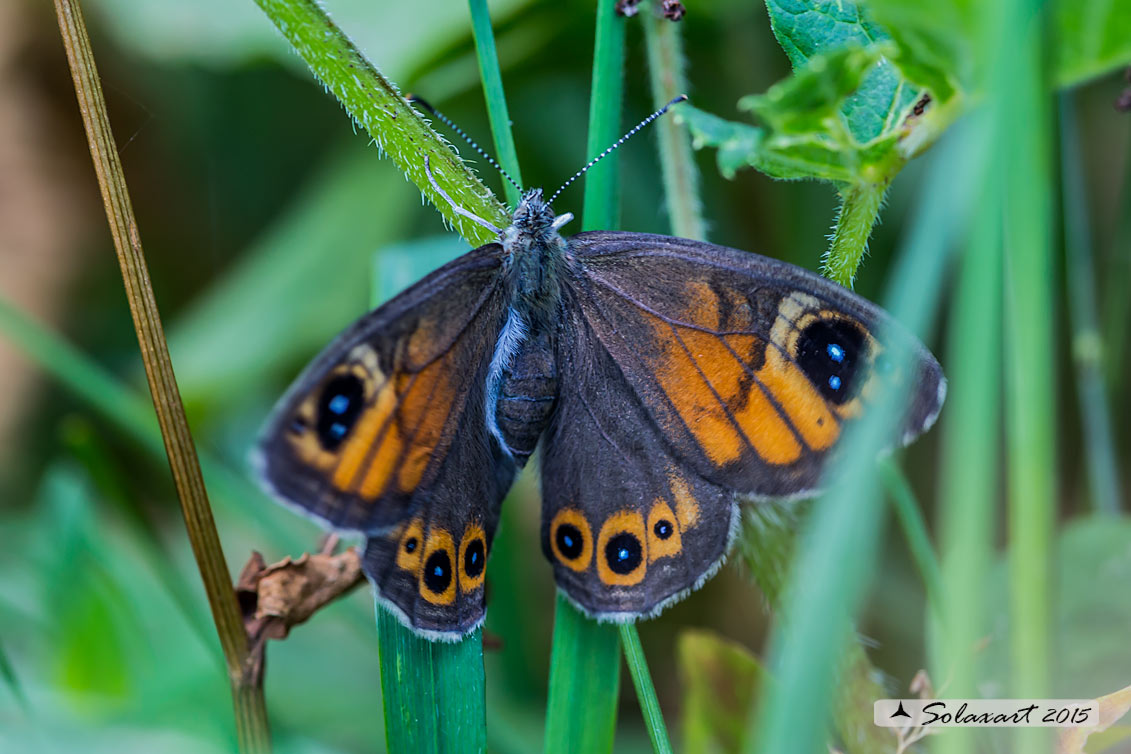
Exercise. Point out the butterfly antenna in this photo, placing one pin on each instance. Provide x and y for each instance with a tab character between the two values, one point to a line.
463	135
621	140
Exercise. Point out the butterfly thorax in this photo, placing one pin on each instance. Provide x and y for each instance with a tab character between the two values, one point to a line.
522	382
535	253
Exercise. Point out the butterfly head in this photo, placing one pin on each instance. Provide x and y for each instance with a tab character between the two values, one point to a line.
534	221
535	252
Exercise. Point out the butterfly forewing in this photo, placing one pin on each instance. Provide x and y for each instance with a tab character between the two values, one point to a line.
750	367
361	434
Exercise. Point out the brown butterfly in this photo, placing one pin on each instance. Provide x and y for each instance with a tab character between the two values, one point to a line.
665	379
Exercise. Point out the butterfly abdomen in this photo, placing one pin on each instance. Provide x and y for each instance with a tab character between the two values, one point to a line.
527	395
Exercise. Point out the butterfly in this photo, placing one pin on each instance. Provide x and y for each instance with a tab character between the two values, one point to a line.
664	380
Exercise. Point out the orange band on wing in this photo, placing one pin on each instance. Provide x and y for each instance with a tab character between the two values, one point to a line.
424	410
807	410
359	447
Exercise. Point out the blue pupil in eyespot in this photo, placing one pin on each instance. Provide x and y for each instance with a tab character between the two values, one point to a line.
836	353
339	404
834	382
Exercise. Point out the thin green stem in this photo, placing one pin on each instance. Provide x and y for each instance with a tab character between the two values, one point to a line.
859	207
1087	341
666	70
377	106
970	460
834	557
910	517
496	99
585	658
1029	397
645	691
247	690
601	205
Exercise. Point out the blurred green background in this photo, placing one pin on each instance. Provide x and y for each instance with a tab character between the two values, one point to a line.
262	210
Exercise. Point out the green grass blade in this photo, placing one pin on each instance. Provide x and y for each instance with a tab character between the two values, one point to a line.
914	528
493	93
585	657
1087	343
581	713
432	691
11	679
1029	308
130	412
835	549
645	691
601	205
970	460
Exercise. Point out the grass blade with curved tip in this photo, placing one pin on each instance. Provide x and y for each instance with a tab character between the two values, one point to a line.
493	94
247	689
585	658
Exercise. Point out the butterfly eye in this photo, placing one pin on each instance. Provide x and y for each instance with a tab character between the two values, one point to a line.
338	408
829	353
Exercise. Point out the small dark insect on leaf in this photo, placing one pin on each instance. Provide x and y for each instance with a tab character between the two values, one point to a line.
921	105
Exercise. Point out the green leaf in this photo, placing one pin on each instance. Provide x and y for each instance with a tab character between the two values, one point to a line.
1092	37
808	28
936	42
805	133
719	678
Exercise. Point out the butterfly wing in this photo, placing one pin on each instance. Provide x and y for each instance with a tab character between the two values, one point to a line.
703	372
384	433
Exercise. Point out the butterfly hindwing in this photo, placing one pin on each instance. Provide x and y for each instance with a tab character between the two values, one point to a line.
626	527
431	569
749	367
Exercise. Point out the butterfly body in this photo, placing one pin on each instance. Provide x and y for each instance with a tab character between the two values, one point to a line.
664	380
